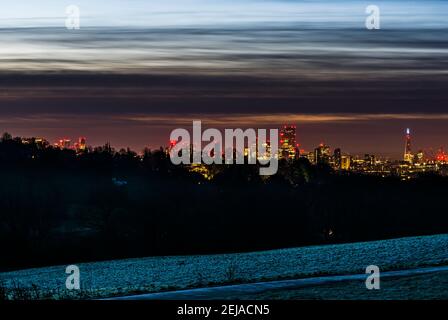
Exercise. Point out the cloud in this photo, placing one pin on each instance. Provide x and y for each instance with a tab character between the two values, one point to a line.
259	120
216	120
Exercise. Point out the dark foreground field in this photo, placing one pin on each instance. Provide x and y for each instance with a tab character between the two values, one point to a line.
158	274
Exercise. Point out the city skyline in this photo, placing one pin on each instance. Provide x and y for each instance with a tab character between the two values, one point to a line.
286	148
134	72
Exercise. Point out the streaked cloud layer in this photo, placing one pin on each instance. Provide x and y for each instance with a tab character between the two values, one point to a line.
275	51
219	13
315	38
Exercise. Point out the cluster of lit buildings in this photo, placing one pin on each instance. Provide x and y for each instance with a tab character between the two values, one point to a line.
410	166
40	142
79	146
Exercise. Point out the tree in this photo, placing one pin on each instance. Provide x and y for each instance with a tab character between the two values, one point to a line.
6	137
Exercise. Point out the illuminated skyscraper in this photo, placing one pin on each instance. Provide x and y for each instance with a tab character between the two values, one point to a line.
322	154
337	158
441	157
369	160
419	157
82	144
407	151
63	144
288	144
170	147
345	162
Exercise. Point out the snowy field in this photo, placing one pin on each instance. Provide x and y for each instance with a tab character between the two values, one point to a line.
155	274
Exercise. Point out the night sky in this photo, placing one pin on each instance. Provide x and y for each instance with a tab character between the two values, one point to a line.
138	69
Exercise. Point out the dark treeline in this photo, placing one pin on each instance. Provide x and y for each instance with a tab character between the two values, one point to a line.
57	206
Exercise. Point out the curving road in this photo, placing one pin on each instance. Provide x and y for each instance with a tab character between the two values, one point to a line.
274	289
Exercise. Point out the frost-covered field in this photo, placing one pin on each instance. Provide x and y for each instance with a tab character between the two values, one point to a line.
123	277
431	286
